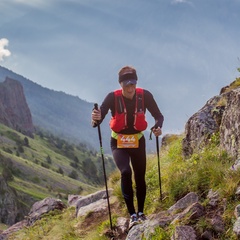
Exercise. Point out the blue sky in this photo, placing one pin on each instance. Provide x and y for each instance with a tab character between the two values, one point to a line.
184	51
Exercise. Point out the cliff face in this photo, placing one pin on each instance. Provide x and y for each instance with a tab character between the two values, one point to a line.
230	123
220	116
8	206
14	110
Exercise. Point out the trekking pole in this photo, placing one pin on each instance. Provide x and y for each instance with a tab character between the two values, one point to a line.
159	172
104	170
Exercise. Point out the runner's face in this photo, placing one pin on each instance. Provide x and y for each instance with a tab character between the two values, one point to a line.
129	90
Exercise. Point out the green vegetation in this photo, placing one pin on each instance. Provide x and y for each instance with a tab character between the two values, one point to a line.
46	165
208	169
235	84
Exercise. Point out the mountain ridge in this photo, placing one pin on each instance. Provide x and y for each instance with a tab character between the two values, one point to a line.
60	113
66	116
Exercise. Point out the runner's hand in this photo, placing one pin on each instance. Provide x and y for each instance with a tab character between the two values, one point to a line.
157	131
96	115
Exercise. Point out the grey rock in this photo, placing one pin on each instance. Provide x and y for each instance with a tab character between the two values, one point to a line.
184	202
184	233
44	206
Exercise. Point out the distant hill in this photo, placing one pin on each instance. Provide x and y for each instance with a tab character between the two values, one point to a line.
62	114
43	166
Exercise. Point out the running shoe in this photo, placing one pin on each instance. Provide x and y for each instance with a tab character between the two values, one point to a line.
142	217
133	221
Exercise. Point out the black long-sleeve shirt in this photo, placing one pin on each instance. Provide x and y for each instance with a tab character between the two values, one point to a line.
149	104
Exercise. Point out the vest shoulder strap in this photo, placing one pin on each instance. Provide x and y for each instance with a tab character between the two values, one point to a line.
119	102
139	100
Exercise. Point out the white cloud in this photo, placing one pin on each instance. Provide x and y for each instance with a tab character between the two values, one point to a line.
180	1
4	52
30	3
33	3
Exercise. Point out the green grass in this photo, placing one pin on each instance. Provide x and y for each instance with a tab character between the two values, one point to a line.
3	227
205	170
34	181
36	191
54	225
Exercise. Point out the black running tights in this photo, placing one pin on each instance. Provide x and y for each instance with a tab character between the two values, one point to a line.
137	158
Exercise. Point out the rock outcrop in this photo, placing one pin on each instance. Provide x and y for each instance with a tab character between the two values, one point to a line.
220	117
96	201
230	123
13	204
14	110
8	203
37	211
44	206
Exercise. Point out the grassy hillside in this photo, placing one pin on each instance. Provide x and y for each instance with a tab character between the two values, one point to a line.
208	169
46	166
61	114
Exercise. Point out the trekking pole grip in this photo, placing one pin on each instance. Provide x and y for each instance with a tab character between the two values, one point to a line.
96	106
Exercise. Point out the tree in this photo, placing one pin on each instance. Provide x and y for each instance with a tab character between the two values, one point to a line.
7	174
26	142
73	174
76	160
90	170
60	171
20	149
49	160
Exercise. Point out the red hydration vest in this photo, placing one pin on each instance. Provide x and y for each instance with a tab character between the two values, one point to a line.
119	121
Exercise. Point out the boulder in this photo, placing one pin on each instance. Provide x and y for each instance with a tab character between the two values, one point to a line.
184	202
44	206
184	233
37	211
93	201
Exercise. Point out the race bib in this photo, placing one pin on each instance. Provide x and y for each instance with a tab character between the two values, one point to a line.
127	141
